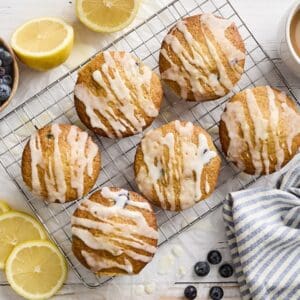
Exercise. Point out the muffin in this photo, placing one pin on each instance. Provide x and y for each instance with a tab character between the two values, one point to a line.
259	130
116	95
202	57
176	165
114	232
60	163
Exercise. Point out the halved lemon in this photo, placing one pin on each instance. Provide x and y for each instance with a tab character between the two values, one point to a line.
17	227
43	43
36	269
4	207
107	15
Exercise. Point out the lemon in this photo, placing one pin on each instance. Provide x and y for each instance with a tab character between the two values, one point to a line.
16	227
36	269
107	15
43	43
4	207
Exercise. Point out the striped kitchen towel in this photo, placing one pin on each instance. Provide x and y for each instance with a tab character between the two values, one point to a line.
263	229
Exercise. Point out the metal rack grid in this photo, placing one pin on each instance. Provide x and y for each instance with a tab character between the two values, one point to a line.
55	104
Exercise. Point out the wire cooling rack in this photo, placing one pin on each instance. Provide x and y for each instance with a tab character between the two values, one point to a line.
55	104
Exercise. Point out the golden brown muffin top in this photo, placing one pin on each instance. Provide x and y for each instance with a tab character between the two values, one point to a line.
260	130
114	232
202	57
176	165
116	95
60	162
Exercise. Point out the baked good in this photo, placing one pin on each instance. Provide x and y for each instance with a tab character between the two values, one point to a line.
114	232
116	95
259	130
202	57
176	165
60	163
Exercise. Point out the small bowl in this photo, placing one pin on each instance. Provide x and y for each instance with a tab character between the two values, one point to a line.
15	75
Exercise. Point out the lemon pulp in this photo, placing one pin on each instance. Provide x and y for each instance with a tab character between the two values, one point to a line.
107	15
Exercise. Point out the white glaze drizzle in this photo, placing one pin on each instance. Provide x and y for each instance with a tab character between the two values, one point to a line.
196	65
98	265
118	93
235	119
207	186
81	160
292	120
115	234
187	171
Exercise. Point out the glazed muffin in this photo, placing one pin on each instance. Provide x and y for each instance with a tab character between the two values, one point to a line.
116	95
176	165
202	57
259	130
114	232
60	163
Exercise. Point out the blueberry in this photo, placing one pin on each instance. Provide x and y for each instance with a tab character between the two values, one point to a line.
0	62
7	79
4	92
214	257
2	71
216	293
6	58
226	270
201	268
190	292
8	69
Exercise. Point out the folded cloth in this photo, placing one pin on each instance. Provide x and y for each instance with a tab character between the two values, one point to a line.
263	229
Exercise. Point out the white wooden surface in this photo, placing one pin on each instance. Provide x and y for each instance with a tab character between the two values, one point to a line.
262	17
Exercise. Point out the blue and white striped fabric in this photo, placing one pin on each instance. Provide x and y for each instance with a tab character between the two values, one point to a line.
263	229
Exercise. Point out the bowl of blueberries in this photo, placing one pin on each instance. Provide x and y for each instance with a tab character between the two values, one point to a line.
9	74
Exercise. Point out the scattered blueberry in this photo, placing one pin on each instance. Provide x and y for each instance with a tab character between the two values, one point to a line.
201	268
214	257
226	270
216	293
6	58
4	92
190	292
2	71
7	79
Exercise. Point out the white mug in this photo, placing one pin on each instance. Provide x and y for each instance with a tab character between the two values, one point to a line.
286	49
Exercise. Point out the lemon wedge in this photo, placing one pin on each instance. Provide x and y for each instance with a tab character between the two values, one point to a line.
17	227
4	207
43	43
36	269
107	15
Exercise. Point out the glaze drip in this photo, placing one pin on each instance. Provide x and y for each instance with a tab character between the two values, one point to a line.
176	179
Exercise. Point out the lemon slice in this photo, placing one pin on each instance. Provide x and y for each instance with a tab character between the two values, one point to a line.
17	227
36	269
107	15
43	43
4	207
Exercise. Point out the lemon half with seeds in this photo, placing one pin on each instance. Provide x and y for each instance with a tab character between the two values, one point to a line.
43	43
17	227
36	269
107	15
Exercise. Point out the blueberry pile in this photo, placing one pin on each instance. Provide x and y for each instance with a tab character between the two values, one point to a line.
202	268
6	74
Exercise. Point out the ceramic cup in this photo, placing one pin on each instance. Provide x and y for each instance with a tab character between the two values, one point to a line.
286	50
